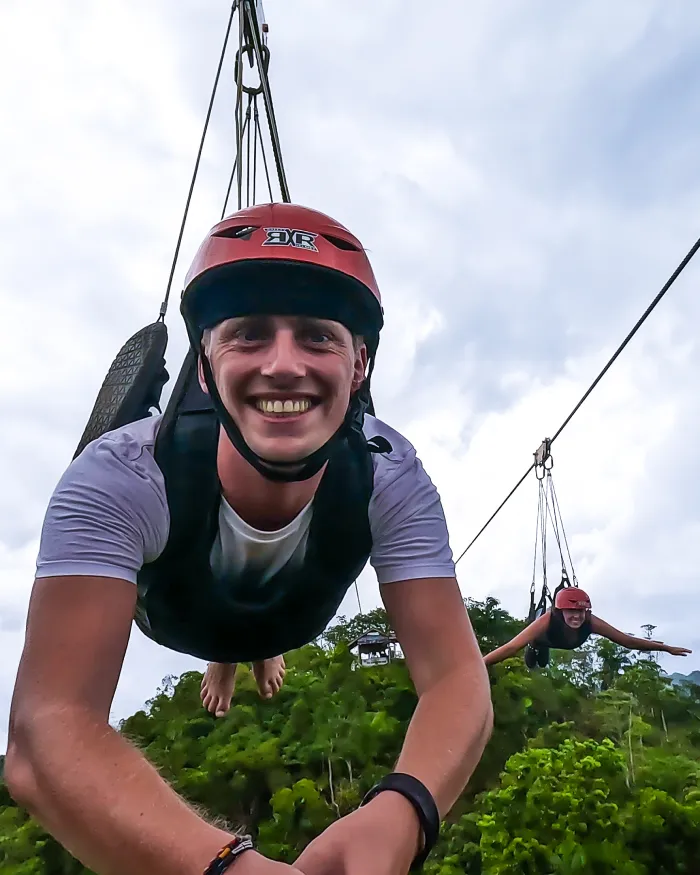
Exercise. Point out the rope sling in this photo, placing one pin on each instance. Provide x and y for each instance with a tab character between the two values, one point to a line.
134	383
548	516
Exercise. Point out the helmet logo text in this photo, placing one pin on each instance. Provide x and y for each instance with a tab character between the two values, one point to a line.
290	237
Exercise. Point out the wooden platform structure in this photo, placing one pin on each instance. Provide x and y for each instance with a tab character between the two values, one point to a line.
376	648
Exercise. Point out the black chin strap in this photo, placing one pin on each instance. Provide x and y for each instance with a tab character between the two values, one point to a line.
303	469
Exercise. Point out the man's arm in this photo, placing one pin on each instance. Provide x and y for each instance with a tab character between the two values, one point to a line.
600	627
535	630
92	790
454	717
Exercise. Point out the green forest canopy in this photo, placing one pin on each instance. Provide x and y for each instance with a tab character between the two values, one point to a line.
602	741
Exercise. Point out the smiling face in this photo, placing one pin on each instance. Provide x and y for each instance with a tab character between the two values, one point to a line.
574	618
285	380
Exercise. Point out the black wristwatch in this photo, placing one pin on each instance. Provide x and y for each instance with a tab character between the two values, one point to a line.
420	797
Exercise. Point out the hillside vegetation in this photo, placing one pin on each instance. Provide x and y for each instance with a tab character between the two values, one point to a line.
592	768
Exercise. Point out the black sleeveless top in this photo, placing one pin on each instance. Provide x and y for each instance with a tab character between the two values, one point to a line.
562	637
183	605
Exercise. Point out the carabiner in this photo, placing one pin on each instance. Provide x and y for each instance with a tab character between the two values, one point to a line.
238	67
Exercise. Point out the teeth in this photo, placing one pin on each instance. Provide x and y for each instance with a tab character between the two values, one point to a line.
287	406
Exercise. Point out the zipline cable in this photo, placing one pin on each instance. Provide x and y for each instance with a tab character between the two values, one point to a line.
674	276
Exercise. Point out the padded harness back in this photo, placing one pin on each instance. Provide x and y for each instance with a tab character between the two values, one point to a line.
133	384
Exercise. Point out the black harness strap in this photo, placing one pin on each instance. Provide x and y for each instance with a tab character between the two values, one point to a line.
563	584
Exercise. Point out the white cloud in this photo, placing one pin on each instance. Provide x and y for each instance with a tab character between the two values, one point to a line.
521	201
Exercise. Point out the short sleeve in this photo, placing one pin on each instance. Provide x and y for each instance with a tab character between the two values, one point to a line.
108	514
409	531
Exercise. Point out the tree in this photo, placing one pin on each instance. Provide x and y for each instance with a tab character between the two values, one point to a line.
577	784
592	766
345	631
613	660
492	625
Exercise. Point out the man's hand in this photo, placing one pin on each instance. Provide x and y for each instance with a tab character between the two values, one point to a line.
382	838
677	651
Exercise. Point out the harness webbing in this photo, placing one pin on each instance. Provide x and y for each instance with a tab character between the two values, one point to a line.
253	45
548	514
135	380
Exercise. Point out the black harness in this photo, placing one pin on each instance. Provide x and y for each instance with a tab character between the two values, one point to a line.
183	605
559	636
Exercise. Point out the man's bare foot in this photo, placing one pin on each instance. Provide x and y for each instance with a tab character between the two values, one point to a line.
217	687
270	676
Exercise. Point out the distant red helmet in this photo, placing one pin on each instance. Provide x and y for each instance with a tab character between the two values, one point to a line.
571	598
282	259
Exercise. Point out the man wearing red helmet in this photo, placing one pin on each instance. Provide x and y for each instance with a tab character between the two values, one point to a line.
567	626
230	528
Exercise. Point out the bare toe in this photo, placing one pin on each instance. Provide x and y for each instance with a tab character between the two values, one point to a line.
269	674
217	688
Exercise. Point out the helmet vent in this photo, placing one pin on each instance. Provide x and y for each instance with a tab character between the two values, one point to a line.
340	243
237	231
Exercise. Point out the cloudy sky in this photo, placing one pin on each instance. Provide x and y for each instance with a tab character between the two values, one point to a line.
525	176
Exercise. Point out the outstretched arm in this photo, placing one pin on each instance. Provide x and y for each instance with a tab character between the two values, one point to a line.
445	739
600	627
536	629
454	716
91	789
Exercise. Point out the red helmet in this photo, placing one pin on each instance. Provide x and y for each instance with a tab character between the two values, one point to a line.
572	598
282	259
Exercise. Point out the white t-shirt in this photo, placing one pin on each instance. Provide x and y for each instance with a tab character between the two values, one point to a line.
238	545
109	515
